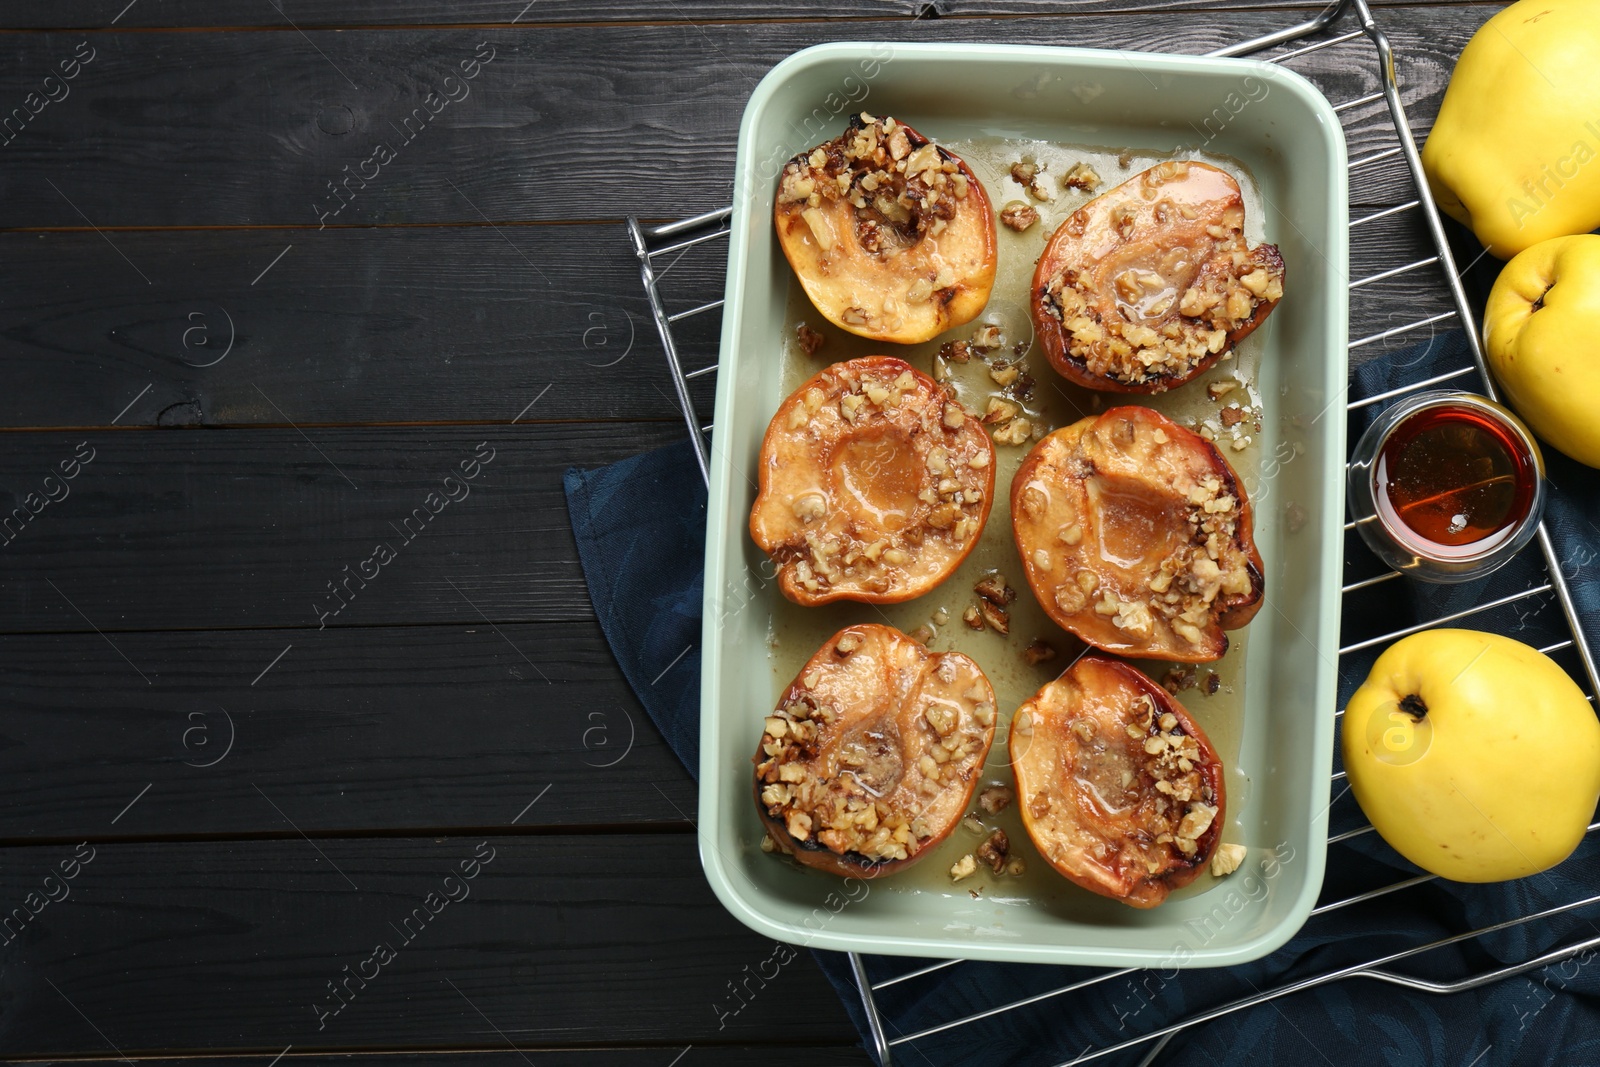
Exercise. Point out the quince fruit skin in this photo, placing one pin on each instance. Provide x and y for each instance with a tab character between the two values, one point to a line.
1515	152
1499	777
1538	330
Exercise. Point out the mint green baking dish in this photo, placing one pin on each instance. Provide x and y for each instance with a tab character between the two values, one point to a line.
1285	136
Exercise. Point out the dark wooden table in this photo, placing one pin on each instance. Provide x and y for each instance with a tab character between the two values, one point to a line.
241	746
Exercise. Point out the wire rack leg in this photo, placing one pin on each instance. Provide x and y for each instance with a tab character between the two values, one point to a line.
870	1008
647	274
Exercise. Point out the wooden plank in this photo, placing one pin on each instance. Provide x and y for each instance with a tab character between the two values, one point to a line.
568	941
311	14
308	14
788	1054
411	325
248	528
395	325
628	119
355	729
1290	13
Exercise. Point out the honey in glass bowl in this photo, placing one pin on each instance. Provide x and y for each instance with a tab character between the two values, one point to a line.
1446	486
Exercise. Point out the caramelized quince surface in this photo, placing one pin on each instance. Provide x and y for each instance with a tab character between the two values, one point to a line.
891	236
1117	786
874	751
874	484
1151	283
1135	535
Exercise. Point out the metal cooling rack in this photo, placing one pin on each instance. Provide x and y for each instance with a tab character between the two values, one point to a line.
1346	22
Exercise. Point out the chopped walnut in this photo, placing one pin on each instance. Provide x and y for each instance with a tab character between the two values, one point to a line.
1038	652
963	867
1019	215
850	809
1003	373
1226	859
922	634
810	340
987	338
993	851
898	190
1217	390
1213	683
994	588
972	617
1016	867
1232	415
1015	431
998	618
956	351
995	799
1081	176
999	410
1185	808
1178	678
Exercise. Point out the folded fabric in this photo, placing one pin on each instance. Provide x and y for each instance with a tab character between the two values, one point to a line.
639	527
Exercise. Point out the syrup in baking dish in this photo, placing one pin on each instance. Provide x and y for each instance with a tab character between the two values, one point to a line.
797	632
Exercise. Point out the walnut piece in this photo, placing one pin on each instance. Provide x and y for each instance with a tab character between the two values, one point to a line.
963	867
956	351
1226	859
994	588
987	338
1019	215
1016	431
1039	651
1081	176
995	799
810	340
993	851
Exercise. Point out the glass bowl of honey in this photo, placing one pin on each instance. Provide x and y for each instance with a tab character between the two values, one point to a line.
1446	486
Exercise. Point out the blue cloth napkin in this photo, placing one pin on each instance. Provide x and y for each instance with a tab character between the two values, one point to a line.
639	526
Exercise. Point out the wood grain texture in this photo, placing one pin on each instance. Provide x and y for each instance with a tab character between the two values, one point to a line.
777	1055
314	14
247	528
409	325
309	14
580	940
579	122
355	729
460	324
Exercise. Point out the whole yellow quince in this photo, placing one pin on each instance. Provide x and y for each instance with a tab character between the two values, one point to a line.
1514	151
1474	755
1538	332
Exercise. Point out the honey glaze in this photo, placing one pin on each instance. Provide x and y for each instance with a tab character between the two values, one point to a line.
1456	478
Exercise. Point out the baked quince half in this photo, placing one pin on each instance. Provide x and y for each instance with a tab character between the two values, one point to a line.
874	751
1149	284
874	484
1136	536
1120	790
891	236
